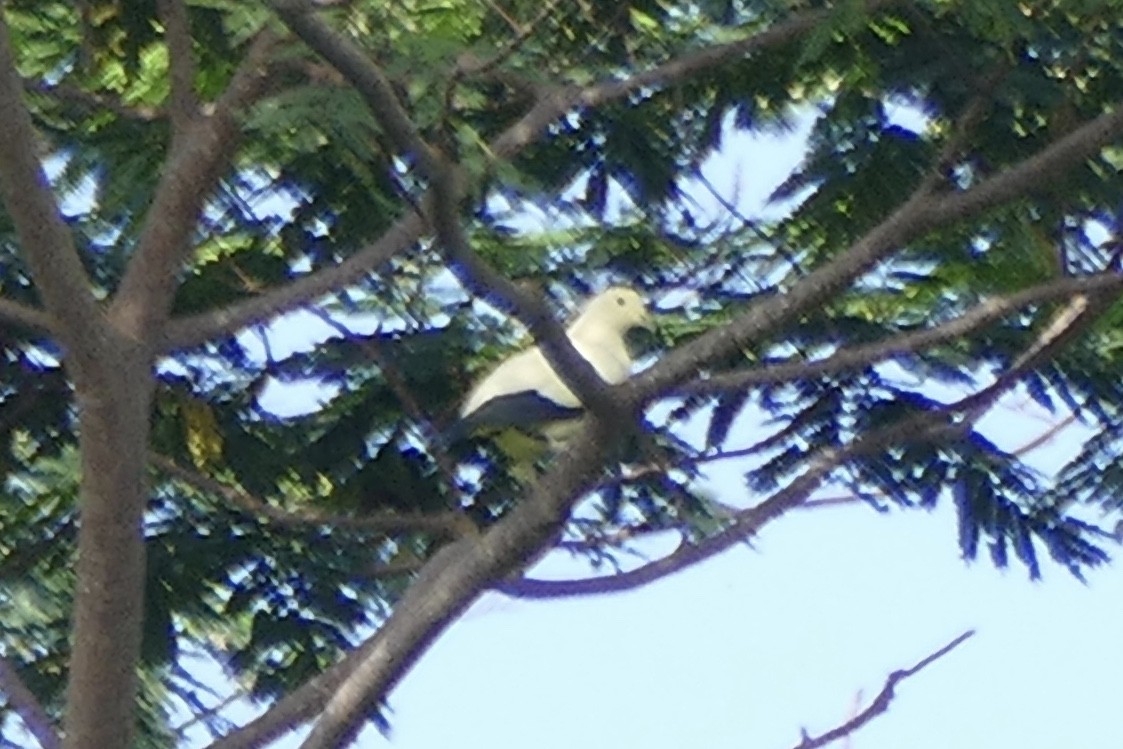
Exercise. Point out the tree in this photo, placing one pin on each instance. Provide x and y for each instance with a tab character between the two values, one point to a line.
177	177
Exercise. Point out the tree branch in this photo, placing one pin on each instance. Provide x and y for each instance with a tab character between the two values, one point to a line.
562	99
44	238
448	584
469	65
24	316
1068	323
744	525
443	209
979	316
367	78
195	329
1022	179
925	426
75	96
920	214
181	63
881	702
196	160
1045	437
23	701
450	524
573	369
192	330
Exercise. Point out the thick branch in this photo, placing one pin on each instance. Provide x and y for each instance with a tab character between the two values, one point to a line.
981	315
181	63
448	584
23	701
438	597
196	160
24	316
44	238
448	524
881	702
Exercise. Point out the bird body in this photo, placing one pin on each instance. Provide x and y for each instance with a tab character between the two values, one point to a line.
524	392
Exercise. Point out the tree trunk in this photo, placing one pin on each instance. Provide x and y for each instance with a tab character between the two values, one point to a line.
114	396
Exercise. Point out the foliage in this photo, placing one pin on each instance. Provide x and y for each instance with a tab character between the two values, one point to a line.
614	193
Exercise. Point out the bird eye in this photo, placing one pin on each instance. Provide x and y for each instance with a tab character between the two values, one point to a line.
621	301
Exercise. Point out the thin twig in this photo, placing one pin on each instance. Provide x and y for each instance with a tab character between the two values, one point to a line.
449	524
471	66
397	383
884	698
394	567
90	101
1044	437
209	713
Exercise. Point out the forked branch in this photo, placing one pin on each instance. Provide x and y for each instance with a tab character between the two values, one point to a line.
199	155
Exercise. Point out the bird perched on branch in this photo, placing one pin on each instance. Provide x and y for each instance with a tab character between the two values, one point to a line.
526	406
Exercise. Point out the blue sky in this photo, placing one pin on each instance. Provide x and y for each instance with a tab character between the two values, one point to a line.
748	648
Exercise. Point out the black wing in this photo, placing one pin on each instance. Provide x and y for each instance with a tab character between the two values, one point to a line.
523	409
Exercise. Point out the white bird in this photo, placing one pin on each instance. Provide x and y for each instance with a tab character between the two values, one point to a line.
524	393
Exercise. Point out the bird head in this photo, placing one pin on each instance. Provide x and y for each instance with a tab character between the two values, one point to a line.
620	309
